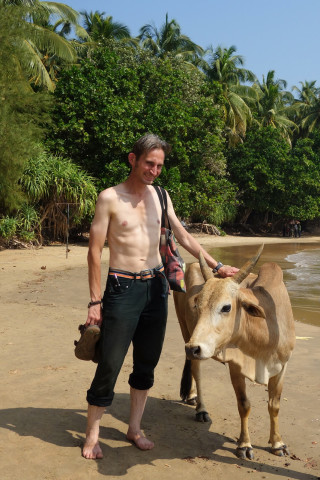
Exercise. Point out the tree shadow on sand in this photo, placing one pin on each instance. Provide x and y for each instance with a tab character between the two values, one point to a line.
170	424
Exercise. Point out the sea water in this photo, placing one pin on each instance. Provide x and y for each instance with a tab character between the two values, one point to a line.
303	283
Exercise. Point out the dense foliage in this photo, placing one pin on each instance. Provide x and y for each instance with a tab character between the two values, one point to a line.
103	106
273	178
52	183
56	189
22	112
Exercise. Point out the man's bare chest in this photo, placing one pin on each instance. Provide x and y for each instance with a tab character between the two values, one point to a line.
130	215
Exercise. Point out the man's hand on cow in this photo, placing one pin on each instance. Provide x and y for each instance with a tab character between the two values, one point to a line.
227	271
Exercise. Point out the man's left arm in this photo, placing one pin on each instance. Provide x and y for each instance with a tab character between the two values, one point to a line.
188	242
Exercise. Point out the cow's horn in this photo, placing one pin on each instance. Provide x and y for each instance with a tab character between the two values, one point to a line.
247	267
205	270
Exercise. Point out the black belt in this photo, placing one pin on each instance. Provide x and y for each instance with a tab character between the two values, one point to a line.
143	275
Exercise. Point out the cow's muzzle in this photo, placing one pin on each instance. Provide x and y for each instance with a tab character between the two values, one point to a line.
193	352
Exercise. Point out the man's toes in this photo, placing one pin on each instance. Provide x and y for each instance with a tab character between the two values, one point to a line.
92	453
144	444
140	442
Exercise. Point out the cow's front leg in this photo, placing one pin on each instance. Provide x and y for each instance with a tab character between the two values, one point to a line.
201	411
244	449
192	397
275	389
188	388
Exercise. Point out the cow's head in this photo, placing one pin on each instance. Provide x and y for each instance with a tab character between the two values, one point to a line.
220	305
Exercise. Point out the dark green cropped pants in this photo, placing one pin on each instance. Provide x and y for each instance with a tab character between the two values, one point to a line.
133	310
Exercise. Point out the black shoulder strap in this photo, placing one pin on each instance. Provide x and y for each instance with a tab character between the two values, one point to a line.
162	194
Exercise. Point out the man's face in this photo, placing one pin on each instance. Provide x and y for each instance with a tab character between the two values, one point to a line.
149	165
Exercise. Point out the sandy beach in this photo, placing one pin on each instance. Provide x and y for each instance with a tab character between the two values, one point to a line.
44	298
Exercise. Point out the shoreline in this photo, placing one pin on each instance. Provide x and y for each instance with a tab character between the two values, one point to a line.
233	240
204	239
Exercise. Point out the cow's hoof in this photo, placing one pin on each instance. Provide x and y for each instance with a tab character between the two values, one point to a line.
245	452
192	401
203	417
280	451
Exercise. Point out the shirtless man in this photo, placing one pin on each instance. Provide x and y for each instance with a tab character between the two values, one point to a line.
135	299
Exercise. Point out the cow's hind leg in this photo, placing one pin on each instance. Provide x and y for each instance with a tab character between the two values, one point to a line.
244	448
188	389
191	390
275	388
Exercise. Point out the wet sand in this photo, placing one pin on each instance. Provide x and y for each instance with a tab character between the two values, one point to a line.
42	419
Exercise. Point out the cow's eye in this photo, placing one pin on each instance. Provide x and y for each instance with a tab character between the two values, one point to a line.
226	308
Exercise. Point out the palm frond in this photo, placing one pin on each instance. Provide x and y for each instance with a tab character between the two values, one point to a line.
61	10
51	42
34	66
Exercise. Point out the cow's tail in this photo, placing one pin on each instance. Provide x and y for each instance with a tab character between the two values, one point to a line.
186	381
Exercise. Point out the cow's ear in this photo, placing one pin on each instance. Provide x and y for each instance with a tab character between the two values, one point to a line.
195	299
254	310
250	305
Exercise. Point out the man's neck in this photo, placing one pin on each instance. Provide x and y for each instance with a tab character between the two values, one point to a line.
135	187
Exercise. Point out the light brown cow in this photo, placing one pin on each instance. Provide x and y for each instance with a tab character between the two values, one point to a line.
246	321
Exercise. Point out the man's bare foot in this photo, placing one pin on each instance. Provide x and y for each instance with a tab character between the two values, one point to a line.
140	440
92	450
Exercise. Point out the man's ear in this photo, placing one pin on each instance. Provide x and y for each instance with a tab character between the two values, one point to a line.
131	158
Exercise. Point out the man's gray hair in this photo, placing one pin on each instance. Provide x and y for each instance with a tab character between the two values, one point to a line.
149	142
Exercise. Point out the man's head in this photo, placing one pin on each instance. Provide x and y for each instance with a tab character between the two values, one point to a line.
147	158
150	142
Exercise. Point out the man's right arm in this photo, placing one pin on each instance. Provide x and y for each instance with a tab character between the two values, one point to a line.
98	233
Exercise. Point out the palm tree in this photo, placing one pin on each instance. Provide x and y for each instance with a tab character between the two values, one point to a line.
101	29
275	105
227	69
39	42
308	92
23	113
63	28
169	41
308	103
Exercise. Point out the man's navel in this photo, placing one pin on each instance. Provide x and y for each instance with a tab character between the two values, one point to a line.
158	221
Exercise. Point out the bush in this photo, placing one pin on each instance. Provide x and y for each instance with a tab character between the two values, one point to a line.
110	100
8	227
51	184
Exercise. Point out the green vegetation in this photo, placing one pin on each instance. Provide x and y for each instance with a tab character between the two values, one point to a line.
169	41
227	69
41	48
102	29
22	111
51	183
120	93
243	149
